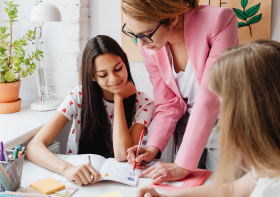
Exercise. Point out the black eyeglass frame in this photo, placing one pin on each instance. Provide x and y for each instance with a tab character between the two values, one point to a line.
134	36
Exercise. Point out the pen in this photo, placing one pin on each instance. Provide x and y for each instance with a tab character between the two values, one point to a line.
138	148
89	160
2	152
16	151
24	194
5	155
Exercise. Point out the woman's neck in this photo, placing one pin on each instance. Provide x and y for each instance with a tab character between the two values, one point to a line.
108	96
177	38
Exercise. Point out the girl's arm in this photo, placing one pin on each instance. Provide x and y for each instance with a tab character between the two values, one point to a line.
243	187
124	138
38	153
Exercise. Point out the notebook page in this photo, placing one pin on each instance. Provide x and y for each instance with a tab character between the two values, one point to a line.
119	171
76	160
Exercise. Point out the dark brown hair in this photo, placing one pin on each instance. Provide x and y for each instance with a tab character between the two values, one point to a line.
95	124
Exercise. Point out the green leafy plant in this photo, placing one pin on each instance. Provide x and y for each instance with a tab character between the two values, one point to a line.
12	54
246	14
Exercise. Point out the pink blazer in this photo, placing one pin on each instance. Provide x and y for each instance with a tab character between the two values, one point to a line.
209	31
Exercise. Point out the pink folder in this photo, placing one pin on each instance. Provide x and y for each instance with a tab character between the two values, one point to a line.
195	178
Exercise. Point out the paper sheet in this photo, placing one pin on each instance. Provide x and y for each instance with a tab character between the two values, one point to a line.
112	194
195	178
97	162
119	171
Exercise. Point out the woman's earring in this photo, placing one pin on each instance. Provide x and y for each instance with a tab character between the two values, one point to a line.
93	79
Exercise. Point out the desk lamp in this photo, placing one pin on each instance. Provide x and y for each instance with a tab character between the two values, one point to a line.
43	12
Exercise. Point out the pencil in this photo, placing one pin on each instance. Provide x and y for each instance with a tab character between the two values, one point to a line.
89	160
25	194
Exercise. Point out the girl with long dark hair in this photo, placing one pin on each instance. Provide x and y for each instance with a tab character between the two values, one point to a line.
108	113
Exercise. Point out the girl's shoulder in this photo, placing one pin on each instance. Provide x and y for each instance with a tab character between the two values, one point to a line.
71	106
143	101
76	92
142	97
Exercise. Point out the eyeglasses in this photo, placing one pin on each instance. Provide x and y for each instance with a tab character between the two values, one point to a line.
134	37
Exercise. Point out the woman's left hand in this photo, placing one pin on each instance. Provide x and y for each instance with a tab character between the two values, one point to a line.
165	172
128	90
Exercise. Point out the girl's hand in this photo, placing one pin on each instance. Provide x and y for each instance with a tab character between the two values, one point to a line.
81	174
145	155
147	192
128	90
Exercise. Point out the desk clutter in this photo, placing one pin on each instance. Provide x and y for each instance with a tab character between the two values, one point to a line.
66	191
11	167
110	169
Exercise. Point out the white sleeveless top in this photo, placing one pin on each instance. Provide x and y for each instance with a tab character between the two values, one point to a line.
186	83
265	187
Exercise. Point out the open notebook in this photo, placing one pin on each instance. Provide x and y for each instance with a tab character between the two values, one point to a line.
109	168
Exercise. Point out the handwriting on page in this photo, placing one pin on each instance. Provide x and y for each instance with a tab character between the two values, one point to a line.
118	173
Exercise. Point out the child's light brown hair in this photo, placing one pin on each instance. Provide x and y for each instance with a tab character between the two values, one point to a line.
157	11
247	80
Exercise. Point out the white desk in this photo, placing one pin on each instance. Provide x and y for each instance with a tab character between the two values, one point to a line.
17	128
33	172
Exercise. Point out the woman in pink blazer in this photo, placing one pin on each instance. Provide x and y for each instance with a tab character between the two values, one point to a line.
173	36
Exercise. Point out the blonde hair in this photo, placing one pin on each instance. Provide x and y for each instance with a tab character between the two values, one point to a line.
157	11
246	78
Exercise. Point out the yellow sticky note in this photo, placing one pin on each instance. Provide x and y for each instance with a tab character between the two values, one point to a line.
112	194
47	186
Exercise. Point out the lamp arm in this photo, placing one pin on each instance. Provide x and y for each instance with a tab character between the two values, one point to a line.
41	76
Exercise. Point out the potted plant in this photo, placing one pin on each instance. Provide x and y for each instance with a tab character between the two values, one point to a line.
14	62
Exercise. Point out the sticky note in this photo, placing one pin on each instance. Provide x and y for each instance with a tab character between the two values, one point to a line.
112	194
47	186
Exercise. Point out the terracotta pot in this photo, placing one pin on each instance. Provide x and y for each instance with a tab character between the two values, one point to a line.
9	92
7	108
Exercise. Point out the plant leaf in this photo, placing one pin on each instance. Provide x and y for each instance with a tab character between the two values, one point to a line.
2	49
2	79
240	24
2	63
255	19
10	76
27	62
3	56
5	68
253	10
239	14
244	3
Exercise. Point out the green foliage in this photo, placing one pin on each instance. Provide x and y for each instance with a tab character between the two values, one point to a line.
244	3
12	54
246	14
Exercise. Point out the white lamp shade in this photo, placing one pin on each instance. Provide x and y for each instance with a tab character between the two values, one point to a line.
45	12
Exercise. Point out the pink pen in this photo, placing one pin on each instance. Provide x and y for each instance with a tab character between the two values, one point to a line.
138	148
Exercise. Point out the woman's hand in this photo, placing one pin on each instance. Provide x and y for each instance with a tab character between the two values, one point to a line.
81	174
145	155
128	90
165	172
147	192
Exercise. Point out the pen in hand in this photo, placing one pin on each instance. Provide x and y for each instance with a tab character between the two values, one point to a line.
138	148
89	160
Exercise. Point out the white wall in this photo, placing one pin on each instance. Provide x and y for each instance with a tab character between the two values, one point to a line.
63	43
275	23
